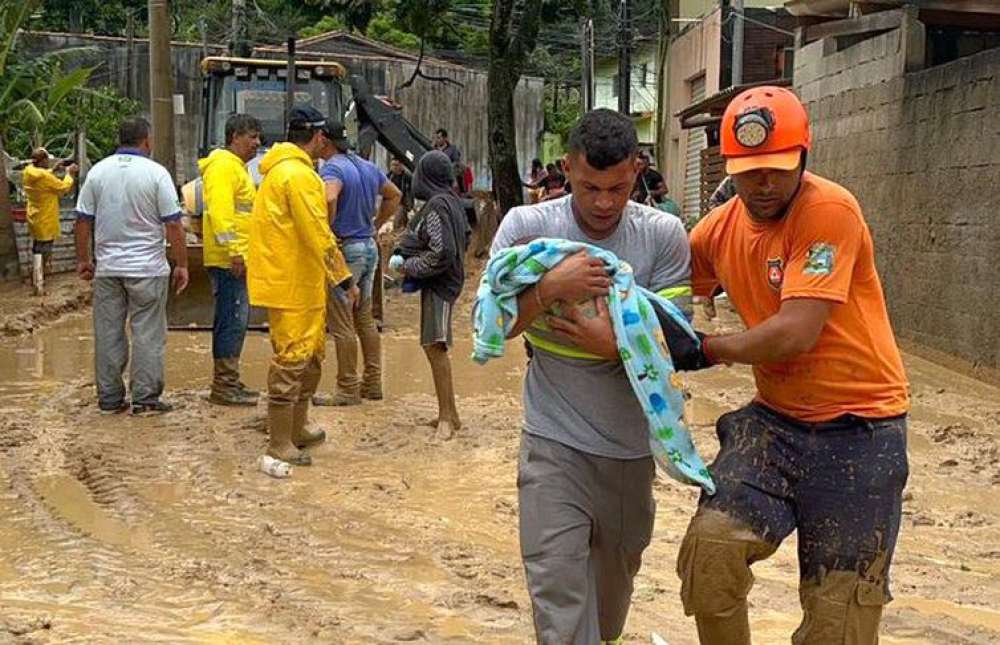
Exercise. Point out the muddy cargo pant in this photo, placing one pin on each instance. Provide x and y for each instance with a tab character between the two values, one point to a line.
584	523
349	325
142	302
839	484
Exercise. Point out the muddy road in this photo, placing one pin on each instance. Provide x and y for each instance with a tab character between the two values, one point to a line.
122	530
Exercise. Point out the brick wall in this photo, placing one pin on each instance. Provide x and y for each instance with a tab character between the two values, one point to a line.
921	151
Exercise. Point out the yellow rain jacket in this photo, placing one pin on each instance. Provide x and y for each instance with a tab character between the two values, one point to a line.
292	251
228	193
43	190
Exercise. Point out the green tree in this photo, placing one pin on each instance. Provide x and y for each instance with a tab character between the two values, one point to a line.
511	43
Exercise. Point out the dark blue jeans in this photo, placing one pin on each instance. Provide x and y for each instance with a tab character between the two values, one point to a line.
232	313
839	483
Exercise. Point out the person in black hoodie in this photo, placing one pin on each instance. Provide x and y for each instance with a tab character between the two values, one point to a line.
431	257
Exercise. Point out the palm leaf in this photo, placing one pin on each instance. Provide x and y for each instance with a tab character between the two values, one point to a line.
30	108
64	85
12	16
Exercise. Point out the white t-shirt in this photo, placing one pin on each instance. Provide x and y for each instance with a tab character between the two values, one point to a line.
129	197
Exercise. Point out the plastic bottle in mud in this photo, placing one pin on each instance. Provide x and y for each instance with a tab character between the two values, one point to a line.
274	467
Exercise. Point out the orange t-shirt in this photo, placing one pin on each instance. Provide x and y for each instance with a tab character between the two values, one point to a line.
821	249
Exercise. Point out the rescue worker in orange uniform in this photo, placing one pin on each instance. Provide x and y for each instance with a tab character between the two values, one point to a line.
822	448
292	256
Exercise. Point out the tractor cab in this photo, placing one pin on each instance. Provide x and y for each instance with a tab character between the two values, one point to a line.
258	87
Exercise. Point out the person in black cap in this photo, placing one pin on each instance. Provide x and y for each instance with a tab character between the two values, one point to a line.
353	186
292	257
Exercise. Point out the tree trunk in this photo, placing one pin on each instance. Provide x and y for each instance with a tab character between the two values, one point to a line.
9	265
509	50
503	137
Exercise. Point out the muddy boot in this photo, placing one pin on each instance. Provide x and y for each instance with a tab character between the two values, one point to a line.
340	319
280	419
371	348
302	434
246	390
225	384
337	400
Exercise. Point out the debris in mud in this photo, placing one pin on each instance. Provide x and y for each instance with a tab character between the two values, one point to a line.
951	433
411	635
492	601
25	627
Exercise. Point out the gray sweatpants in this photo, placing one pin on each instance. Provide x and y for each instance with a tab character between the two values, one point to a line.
143	303
584	522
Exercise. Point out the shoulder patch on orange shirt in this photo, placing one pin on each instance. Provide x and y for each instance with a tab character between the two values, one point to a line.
819	260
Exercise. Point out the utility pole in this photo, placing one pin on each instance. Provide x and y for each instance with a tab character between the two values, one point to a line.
130	55
587	64
290	80
238	45
624	58
203	32
737	14
161	84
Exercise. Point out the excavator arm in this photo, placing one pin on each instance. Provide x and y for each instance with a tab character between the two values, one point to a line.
379	120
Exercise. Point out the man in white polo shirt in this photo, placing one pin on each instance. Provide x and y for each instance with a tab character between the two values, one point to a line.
129	205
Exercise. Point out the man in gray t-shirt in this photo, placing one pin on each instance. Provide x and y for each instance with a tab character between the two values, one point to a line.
128	204
585	473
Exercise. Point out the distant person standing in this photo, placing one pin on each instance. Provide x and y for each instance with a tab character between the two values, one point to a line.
454	154
403	180
431	255
535	181
129	205
228	193
649	185
43	190
353	186
554	183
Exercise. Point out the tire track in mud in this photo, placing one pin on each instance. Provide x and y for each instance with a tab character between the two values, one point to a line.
84	548
207	536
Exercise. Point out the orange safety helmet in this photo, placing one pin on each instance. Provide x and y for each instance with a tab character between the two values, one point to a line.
764	127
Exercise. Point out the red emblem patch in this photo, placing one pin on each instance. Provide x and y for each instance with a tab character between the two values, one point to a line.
776	273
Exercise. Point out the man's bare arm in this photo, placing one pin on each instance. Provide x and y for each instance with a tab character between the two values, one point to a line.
791	332
332	188
576	278
391	198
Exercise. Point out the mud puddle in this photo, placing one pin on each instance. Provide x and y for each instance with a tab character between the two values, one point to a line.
122	530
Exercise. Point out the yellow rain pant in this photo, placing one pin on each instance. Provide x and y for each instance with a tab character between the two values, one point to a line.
297	335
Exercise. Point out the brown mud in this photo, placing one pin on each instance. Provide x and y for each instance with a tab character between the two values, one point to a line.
22	312
161	529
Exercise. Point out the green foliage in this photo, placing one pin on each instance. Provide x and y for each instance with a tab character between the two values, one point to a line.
98	16
41	103
100	110
327	23
384	28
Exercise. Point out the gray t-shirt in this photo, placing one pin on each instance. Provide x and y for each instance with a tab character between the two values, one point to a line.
129	197
589	404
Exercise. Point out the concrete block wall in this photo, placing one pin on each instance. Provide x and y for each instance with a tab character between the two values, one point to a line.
921	151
